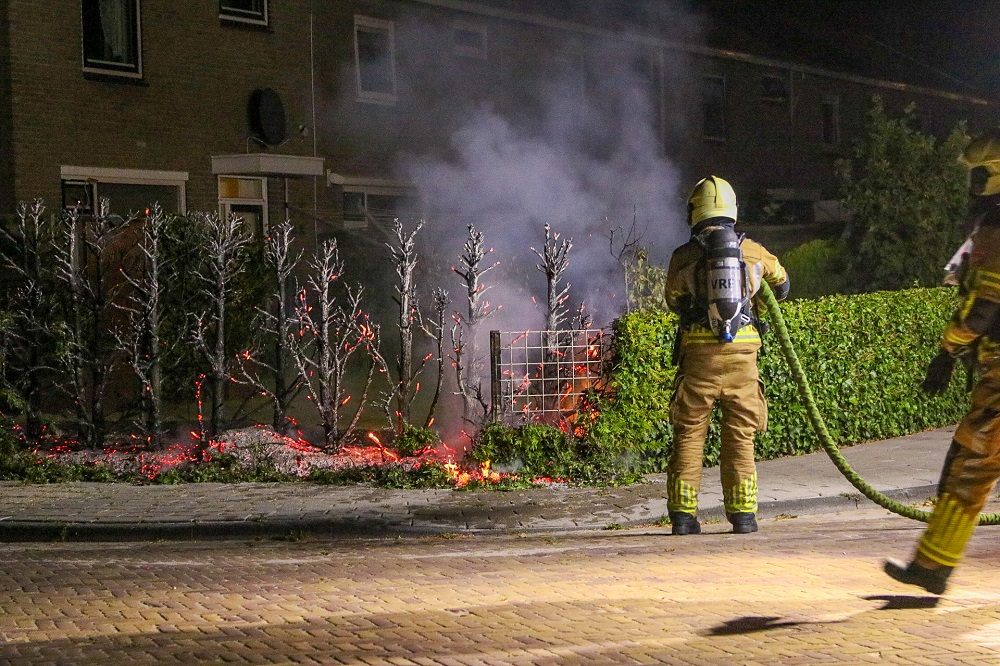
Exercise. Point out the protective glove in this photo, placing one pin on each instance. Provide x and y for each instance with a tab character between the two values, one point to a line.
938	374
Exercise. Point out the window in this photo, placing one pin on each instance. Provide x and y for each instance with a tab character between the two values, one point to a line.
773	88
380	205
246	197
112	41
713	100
374	59
128	190
830	107
253	12
469	41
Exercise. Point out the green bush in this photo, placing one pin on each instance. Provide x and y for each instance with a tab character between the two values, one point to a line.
429	475
542	451
415	439
864	356
816	268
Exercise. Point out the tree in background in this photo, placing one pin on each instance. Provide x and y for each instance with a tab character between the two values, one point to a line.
907	195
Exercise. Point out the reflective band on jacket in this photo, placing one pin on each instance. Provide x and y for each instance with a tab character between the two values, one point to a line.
699	335
987	284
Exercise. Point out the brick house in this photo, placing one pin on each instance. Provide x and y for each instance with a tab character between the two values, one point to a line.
304	109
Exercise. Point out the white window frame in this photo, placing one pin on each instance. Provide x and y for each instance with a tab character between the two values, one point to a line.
98	175
96	65
830	104
234	14
226	203
469	51
366	23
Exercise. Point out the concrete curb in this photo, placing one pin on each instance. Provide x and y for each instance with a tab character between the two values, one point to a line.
371	527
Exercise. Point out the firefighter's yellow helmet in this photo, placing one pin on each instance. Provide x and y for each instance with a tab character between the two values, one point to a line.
711	197
982	156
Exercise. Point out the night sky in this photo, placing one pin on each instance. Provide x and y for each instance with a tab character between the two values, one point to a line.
959	40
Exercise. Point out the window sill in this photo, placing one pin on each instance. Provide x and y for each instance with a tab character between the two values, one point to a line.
228	22
129	80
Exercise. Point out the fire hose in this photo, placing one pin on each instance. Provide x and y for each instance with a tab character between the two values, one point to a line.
819	426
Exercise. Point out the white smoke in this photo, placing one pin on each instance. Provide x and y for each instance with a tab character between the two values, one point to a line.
583	154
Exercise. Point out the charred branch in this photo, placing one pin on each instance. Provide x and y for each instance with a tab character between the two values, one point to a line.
402	249
225	240
83	253
327	330
26	255
141	339
470	362
268	366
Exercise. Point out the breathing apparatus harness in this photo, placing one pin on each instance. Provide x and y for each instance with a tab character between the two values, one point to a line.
724	274
727	305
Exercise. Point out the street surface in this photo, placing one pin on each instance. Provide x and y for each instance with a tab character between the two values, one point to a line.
804	590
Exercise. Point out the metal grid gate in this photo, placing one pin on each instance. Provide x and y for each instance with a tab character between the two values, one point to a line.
545	376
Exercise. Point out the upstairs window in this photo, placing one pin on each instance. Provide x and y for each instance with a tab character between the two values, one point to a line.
375	60
713	103
830	107
112	38
253	12
773	88
469	41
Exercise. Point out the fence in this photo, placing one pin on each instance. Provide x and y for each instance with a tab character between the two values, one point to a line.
545	376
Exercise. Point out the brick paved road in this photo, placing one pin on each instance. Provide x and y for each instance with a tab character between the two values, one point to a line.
805	590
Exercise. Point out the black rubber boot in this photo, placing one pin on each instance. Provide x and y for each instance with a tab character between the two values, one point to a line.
743	523
684	523
934	581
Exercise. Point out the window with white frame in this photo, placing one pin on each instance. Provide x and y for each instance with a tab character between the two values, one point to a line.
713	102
375	59
253	12
128	191
469	40
378	204
245	197
830	109
112	38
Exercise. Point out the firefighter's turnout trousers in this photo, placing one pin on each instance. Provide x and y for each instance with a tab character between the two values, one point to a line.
970	471
732	380
972	465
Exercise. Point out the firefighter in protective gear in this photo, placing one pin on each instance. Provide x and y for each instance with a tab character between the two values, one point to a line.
716	353
972	464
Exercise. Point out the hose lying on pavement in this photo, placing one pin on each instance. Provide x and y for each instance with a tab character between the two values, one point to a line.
816	420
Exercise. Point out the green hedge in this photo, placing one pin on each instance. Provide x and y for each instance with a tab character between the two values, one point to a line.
864	356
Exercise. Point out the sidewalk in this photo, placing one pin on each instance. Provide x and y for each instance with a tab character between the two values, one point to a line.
905	468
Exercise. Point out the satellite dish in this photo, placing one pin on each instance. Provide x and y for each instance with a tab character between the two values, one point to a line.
266	116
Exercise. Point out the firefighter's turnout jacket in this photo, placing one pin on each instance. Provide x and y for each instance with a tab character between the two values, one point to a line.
972	465
711	371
